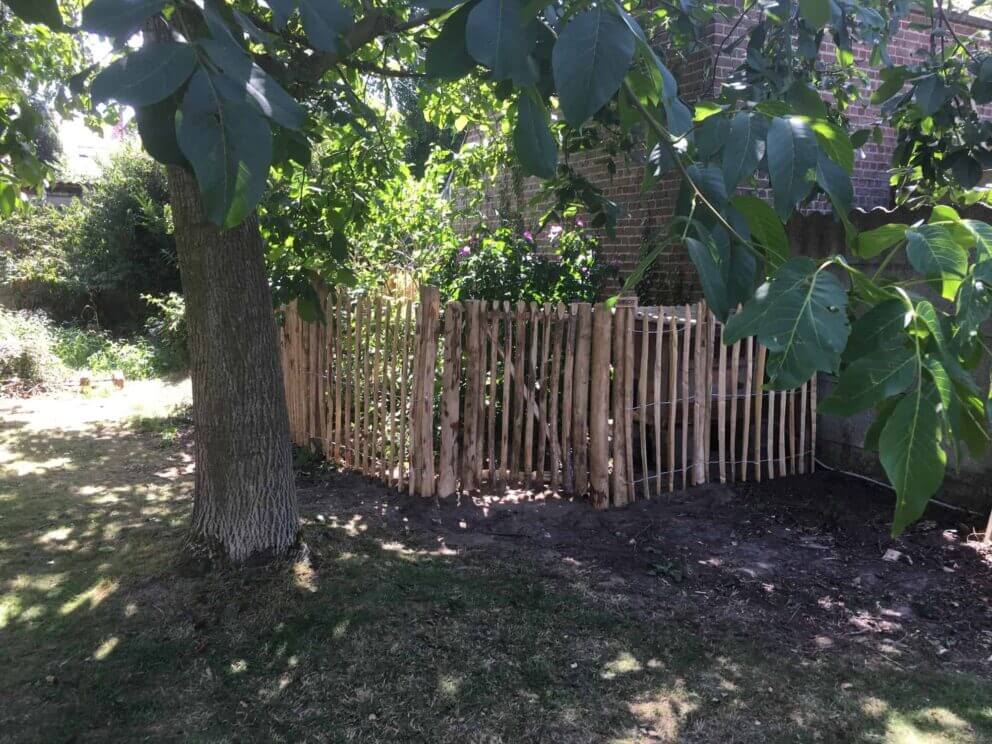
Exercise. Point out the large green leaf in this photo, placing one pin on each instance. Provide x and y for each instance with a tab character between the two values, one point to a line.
157	127
229	145
243	80
871	379
447	56
281	11
835	143
325	21
726	271
932	250
38	11
974	302
893	78
911	454
535	147
118	18
836	183
589	61
743	149
500	37
882	327
766	228
792	156
799	315
982	233
872	242
709	180
816	13
146	75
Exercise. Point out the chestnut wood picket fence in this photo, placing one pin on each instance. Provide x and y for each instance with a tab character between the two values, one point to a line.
618	404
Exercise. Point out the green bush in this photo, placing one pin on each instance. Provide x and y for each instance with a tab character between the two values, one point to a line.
504	264
93	260
26	343
168	331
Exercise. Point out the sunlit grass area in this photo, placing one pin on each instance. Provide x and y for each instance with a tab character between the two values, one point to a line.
380	637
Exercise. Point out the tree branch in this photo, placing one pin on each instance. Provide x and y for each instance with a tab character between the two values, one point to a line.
374	69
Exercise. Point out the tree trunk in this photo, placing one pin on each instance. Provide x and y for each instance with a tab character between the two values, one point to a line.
245	499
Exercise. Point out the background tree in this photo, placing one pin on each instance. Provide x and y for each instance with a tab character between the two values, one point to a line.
219	90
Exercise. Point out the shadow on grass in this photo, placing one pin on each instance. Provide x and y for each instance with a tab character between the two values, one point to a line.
378	639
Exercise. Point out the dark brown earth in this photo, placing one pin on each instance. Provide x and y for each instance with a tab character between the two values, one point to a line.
800	559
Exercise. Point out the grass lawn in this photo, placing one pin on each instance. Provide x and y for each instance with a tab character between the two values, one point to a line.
383	637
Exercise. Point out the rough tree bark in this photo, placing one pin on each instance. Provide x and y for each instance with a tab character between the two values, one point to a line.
245	500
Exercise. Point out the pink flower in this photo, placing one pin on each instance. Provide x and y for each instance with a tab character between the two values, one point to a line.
528	236
555	232
465	251
579	222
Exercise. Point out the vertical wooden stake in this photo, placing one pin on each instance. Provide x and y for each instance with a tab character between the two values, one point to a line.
642	403
686	359
781	432
530	377
812	426
721	405
404	403
581	329
493	335
802	427
569	442
628	398
792	432
659	336
450	386
504	437
700	398
618	485
747	393
473	372
359	382
556	349
599	412
771	434
735	363
673	401
516	456
759	383
542	411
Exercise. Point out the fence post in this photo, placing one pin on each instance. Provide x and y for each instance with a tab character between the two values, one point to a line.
450	383
429	316
582	325
599	412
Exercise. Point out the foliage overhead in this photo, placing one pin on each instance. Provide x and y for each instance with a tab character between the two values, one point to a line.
780	119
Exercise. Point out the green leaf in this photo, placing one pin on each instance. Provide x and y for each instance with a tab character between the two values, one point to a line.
535	147
229	145
157	127
931	94
325	21
499	37
447	56
933	252
869	244
146	75
792	156
835	143
766	228
816	13
971	422
871	379
744	147
835	181
881	328
243	80
38	11
893	78
589	61
882	413
726	271
974	301
982	233
709	180
807	101
911	454
799	315
118	18
281	11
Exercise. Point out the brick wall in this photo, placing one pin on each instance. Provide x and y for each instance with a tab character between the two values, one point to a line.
644	214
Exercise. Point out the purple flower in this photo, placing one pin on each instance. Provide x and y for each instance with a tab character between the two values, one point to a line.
555	232
465	251
579	222
528	236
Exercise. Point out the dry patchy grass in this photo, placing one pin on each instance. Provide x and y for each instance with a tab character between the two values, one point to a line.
383	637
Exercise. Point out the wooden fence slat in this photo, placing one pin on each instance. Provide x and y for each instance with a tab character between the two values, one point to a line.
430	312
542	414
504	437
721	405
618	483
759	382
812	426
405	457
746	423
710	342
642	403
659	337
492	320
782	399
599	391
450	388
673	380
802	427
359	382
770	434
473	370
735	363
530	381
628	398
686	358
516	454
570	442
581	327
698	396
380	404
792	432
556	350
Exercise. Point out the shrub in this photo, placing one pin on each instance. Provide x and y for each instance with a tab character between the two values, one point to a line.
504	264
100	254
168	331
26	342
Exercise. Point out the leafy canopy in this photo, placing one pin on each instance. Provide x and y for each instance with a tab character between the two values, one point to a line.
215	87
